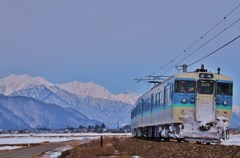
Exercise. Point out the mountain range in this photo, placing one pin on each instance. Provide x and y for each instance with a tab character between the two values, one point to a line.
235	117
86	103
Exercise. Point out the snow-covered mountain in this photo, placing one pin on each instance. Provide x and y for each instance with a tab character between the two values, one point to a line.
26	113
108	111
92	100
14	83
235	117
96	91
236	109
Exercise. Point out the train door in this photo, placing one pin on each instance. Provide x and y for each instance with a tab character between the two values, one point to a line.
167	101
205	104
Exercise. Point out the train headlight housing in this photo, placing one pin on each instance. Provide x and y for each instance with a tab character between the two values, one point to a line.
225	102
192	100
184	100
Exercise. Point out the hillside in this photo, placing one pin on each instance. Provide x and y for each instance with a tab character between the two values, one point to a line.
27	113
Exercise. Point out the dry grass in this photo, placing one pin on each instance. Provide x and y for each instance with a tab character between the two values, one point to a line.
94	150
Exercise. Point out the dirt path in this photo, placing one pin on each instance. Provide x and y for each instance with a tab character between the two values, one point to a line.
35	150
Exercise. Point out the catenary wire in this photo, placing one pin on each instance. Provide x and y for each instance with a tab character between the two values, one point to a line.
219	33
214	51
193	52
195	42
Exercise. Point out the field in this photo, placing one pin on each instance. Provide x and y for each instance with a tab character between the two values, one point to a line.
117	145
45	144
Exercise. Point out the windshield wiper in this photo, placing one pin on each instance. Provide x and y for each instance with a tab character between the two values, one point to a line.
221	91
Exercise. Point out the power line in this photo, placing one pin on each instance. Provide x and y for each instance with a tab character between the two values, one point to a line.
219	33
207	54
195	42
214	51
193	52
198	59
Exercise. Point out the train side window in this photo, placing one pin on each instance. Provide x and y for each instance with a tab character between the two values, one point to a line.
152	101
139	108
156	100
145	105
149	104
161	98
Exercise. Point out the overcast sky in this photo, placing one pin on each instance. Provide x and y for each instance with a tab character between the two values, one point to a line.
111	42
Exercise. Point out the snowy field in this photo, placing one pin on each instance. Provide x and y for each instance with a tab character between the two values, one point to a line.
233	140
11	139
10	147
15	141
56	152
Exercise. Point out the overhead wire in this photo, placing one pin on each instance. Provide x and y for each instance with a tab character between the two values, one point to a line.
201	46
214	51
193	44
196	41
219	33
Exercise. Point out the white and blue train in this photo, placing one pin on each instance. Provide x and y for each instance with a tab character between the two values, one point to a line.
191	106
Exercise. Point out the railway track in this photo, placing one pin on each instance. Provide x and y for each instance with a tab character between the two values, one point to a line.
155	149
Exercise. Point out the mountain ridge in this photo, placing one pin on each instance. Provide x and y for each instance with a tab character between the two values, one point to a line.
14	83
109	110
29	113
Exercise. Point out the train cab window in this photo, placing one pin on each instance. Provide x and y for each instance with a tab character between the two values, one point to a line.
224	88
205	87
182	86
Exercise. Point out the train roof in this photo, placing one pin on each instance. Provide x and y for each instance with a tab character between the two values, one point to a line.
216	76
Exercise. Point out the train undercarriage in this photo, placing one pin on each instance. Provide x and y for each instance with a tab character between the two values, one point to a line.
193	132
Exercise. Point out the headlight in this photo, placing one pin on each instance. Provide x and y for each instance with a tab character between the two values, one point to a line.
225	102
192	100
184	100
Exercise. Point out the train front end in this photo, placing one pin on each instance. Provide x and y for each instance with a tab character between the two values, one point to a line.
206	105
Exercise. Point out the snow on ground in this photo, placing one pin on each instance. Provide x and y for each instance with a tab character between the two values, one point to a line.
10	147
59	137
65	134
233	140
51	137
56	152
31	140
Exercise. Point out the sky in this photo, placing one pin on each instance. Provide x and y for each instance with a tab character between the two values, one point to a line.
112	42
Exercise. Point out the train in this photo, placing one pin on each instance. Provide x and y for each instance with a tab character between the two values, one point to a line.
188	106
